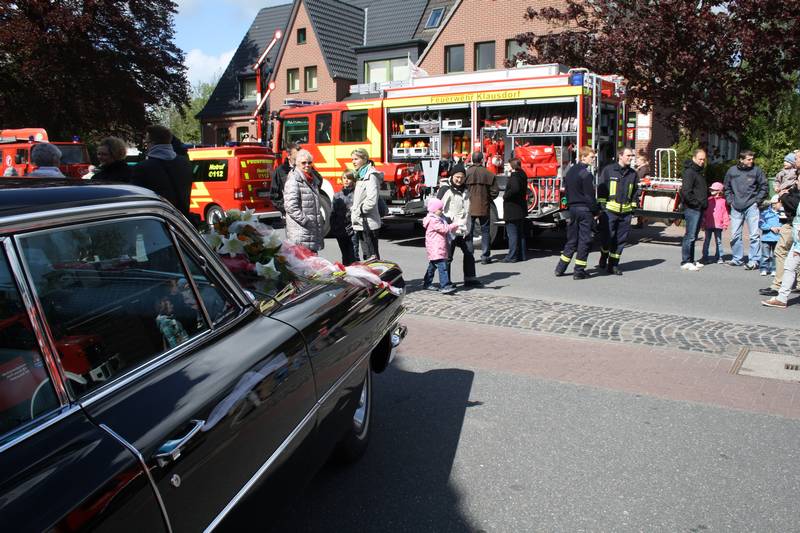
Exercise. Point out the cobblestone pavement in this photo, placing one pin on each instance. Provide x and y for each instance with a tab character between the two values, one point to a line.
673	331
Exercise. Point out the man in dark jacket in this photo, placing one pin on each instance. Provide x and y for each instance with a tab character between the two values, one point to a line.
279	179
582	205
745	187
694	193
164	172
483	189
616	193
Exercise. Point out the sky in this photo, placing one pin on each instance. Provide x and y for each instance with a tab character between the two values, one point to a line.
209	31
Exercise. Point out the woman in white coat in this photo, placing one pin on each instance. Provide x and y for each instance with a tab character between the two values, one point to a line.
301	200
365	214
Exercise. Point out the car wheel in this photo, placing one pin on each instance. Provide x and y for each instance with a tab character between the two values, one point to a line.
325	210
354	443
214	214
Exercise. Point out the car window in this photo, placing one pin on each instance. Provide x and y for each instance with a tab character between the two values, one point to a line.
114	295
217	301
25	388
210	170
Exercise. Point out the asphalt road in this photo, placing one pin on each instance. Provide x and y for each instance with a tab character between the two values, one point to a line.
496	448
456	449
652	283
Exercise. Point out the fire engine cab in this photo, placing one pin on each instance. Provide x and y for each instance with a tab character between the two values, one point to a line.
414	130
16	144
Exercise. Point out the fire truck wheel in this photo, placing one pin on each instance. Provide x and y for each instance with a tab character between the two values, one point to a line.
214	213
325	210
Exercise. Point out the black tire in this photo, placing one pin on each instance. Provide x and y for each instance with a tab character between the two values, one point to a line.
354	444
214	213
325	210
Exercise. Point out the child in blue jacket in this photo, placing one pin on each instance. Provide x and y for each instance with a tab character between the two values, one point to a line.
770	224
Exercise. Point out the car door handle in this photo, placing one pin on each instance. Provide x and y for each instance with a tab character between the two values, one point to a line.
171	450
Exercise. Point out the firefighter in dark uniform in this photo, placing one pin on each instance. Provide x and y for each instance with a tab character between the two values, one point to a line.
616	190
582	204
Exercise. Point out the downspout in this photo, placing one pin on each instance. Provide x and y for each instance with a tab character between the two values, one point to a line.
366	18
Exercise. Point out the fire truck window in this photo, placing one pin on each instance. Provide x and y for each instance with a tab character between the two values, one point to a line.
354	126
72	154
295	131
25	388
323	134
21	158
115	296
210	170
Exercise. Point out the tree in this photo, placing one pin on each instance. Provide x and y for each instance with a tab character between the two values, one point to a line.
774	130
706	64
181	120
88	66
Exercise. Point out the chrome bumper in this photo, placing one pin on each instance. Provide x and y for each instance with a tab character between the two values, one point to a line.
397	337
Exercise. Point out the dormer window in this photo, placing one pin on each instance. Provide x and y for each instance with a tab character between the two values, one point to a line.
247	88
435	18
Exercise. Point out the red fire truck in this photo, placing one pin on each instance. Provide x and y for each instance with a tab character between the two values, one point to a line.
540	114
16	145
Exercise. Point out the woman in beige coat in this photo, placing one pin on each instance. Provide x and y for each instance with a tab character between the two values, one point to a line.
365	214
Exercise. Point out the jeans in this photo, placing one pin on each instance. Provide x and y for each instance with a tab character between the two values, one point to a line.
484	223
348	244
717	234
738	220
517	244
789	275
768	256
439	265
692	217
369	243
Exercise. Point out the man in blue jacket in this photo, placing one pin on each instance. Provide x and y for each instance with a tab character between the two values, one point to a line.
745	187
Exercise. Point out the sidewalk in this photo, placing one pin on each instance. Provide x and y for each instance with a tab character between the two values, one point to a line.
653	371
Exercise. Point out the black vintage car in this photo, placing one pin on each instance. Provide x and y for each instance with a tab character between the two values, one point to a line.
143	389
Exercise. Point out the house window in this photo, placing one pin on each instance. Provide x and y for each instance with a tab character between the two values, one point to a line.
293	80
484	56
311	78
513	48
353	126
301	36
242	132
386	70
454	58
247	89
435	18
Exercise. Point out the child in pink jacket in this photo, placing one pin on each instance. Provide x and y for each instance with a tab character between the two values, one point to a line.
437	234
715	219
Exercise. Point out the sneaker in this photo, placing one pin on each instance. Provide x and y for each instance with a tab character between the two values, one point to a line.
763	272
699	265
486	260
429	288
751	266
734	263
774	302
720	261
689	267
448	289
